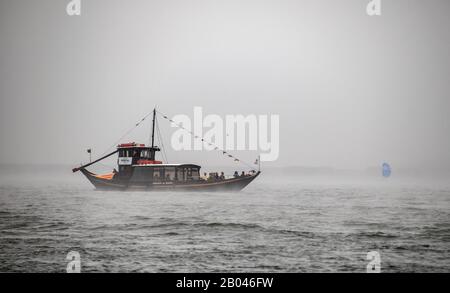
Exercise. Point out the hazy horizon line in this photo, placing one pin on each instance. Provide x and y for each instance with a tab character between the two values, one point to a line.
293	167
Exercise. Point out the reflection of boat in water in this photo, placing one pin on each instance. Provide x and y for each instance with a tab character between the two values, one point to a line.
139	170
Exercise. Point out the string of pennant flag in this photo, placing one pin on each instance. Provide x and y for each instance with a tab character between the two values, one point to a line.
179	125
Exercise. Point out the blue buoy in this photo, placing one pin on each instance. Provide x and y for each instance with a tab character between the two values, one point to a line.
386	170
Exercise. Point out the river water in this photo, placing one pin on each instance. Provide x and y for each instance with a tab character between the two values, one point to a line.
277	224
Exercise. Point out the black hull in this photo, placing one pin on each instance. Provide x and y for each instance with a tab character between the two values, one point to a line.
234	184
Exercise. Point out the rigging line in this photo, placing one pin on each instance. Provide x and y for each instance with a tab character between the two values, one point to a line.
203	140
160	140
157	138
162	143
128	132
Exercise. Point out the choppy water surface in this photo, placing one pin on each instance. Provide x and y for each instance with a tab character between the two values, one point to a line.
274	225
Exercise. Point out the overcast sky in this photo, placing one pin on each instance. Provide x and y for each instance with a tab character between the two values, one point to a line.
352	91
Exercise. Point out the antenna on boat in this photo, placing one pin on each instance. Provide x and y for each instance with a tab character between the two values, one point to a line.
259	163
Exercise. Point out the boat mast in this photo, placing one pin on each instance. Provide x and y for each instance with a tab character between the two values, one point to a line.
153	128
153	148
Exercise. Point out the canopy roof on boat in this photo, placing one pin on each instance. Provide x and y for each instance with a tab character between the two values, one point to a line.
168	165
131	145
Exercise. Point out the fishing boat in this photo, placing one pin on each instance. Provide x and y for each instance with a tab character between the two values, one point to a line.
138	169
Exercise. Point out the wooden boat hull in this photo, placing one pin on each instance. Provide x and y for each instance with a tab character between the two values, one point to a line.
233	184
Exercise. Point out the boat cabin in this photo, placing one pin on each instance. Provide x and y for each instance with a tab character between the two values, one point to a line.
135	154
165	173
138	162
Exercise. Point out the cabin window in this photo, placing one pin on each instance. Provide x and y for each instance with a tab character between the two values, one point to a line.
124	153
190	174
145	154
180	174
170	173
157	174
195	174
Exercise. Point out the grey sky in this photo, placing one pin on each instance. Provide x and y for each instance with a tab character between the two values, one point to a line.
351	90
